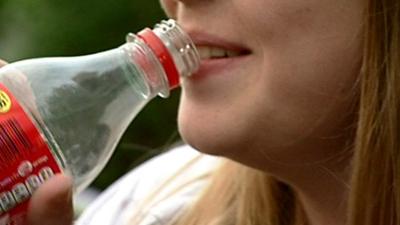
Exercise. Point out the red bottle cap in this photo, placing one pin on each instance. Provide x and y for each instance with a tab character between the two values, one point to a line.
162	53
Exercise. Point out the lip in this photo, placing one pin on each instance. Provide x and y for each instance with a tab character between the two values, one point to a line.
217	65
203	39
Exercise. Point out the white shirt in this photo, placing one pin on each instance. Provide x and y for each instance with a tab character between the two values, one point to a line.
118	203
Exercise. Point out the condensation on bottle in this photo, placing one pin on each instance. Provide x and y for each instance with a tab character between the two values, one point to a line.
67	114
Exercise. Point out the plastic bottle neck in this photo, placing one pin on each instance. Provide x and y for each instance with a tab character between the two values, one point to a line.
170	51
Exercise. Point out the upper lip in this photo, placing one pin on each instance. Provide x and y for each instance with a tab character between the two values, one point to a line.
204	39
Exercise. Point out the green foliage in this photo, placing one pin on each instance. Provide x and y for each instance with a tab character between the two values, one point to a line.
38	28
58	27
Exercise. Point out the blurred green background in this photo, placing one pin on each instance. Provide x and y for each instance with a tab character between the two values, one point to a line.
39	28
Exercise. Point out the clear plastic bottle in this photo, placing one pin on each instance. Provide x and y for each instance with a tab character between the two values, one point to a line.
80	107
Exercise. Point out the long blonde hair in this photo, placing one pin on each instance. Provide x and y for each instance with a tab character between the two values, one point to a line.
238	195
375	196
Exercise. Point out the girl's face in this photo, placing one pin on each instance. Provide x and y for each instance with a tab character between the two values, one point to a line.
277	80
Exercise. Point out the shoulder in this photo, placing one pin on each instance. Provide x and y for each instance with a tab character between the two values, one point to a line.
164	174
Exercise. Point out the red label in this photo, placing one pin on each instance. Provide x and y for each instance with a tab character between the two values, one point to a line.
25	160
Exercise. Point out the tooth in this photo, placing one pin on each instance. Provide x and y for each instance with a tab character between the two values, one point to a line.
218	52
232	53
204	52
207	52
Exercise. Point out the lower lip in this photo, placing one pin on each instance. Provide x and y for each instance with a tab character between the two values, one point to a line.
218	66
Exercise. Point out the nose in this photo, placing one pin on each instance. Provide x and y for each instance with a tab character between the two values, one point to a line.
170	7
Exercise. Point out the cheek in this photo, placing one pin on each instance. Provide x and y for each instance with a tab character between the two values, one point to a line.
216	123
309	68
309	99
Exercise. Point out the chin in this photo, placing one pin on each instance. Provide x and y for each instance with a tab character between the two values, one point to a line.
211	135
201	138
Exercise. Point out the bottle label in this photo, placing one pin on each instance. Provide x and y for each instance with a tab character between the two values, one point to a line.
25	159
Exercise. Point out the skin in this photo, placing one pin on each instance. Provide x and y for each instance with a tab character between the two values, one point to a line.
52	203
294	89
287	109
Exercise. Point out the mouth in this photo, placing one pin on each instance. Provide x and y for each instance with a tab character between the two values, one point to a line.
218	54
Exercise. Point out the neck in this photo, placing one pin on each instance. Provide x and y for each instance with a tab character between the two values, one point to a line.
324	198
321	185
